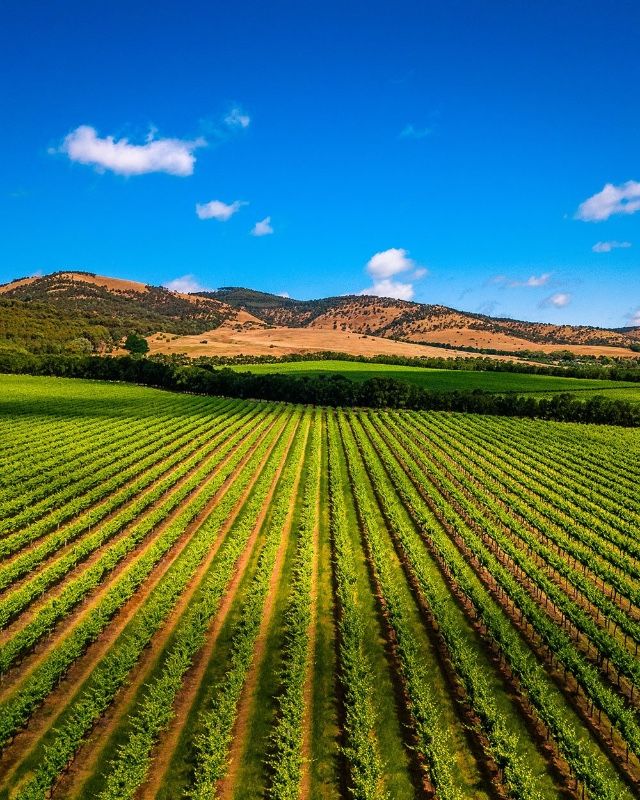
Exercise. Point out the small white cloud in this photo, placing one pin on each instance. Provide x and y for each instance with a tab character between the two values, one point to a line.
389	262
283	294
557	300
236	118
411	132
185	284
634	318
532	282
262	228
173	156
216	209
623	199
535	280
386	287
607	247
384	265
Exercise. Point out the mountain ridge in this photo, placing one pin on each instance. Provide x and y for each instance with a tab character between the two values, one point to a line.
102	310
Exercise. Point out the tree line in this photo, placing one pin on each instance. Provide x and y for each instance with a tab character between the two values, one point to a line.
592	367
325	390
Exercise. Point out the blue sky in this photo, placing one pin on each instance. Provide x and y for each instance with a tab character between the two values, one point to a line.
456	152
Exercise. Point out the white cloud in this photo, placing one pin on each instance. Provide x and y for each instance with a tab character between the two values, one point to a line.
386	287
216	209
411	132
283	294
607	247
236	118
557	300
532	282
184	284
623	199
174	156
262	228
634	318
384	265
389	262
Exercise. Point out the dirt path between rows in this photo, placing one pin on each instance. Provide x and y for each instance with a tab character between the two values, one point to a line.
45	715
72	784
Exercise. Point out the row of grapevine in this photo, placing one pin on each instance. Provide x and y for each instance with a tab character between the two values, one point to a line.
286	742
587	767
600	559
361	746
130	467
502	745
69	547
217	718
480	482
604	530
432	740
114	669
17	709
43	622
606	645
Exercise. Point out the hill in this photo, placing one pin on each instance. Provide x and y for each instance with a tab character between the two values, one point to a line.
82	311
418	322
47	313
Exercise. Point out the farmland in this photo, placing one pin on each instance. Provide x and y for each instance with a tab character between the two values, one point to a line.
217	598
442	380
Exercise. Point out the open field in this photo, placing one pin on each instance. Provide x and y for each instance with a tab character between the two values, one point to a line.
252	340
206	597
451	380
231	340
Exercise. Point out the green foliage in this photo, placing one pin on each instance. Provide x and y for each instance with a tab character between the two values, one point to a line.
136	344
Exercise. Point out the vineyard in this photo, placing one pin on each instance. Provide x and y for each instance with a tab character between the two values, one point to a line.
217	598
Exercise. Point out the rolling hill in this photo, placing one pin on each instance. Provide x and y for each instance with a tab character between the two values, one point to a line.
82	311
418	322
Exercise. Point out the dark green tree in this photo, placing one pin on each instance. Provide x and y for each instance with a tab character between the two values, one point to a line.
137	345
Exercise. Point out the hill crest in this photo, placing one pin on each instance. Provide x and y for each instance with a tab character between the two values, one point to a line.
116	306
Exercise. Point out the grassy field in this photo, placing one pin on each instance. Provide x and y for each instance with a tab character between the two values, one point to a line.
452	380
216	598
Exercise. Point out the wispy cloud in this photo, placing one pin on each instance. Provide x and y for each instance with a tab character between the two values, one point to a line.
216	209
262	228
383	266
634	318
184	284
607	247
412	132
557	300
532	282
622	199
173	156
283	294
237	118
